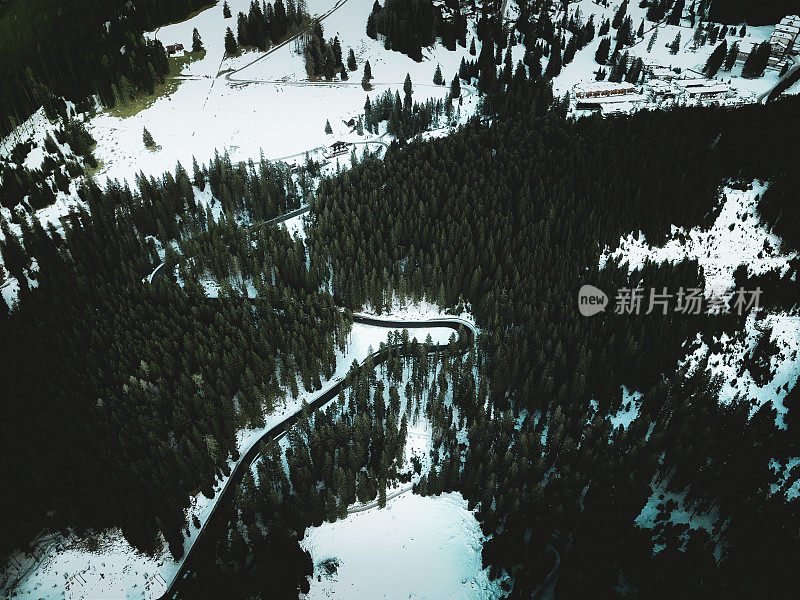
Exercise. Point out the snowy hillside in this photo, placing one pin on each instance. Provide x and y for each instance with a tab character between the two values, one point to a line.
268	106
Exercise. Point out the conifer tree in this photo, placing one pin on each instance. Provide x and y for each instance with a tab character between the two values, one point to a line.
554	63
675	46
367	76
715	59
147	138
455	88
733	54
438	78
408	90
226	10
328	128
197	42
351	60
231	47
601	55
652	41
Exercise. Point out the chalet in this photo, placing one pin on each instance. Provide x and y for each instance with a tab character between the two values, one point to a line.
663	73
703	89
602	89
336	148
661	89
786	37
174	50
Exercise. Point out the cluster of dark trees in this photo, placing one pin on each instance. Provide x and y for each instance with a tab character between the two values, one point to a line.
349	452
406	118
756	62
407	26
324	58
762	12
511	218
123	397
103	52
36	188
265	24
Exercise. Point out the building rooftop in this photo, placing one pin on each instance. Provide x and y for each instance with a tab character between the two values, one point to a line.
599	86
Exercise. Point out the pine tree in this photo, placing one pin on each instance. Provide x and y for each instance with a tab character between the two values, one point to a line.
408	90
554	63
620	15
382	494
231	47
455	88
351	61
715	60
328	128
367	76
601	56
199	179
148	140
652	41
226	10
733	54
472	47
675	45
197	42
438	78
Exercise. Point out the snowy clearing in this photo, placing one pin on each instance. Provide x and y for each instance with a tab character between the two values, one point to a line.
736	237
416	547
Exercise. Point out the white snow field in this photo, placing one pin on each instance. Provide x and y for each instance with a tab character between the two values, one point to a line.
269	105
425	548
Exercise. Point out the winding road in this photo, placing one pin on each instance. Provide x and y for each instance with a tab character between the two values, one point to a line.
216	523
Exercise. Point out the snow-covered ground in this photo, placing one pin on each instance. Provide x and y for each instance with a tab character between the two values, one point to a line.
736	237
416	547
279	112
631	403
677	513
738	381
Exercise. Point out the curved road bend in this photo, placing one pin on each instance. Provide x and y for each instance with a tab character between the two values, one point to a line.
161	269
216	522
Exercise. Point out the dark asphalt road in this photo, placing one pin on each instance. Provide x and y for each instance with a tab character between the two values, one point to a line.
182	588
